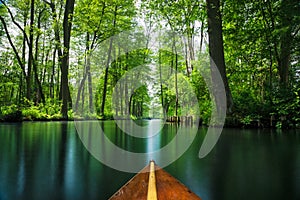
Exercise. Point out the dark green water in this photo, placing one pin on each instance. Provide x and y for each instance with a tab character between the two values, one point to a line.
47	160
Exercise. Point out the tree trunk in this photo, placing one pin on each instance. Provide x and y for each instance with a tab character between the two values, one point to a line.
127	103
131	104
107	66
191	51
106	77
67	24
52	74
23	59
85	73
82	98
80	90
284	58
40	94
58	93
176	75
89	76
161	85
216	49
176	83
58	45
201	35
30	51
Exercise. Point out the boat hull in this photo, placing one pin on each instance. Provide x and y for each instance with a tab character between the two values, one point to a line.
167	187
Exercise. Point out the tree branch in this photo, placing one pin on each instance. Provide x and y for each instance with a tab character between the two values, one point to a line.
48	3
296	32
14	21
12	45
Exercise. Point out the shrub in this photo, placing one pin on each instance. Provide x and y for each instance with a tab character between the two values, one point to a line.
10	113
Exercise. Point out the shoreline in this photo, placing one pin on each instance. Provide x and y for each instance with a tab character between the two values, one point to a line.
228	124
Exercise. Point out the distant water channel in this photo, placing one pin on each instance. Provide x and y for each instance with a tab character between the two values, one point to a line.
47	160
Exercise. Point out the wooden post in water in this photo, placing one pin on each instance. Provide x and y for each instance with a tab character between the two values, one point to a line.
152	194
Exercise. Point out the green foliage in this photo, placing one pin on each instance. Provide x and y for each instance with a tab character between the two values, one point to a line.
47	111
205	111
250	119
201	90
257	40
258	37
287	104
30	111
10	113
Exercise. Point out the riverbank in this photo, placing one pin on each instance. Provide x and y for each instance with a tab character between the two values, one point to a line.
230	121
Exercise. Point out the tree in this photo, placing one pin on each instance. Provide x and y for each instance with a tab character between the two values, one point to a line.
108	63
67	25
254	45
216	49
289	19
20	59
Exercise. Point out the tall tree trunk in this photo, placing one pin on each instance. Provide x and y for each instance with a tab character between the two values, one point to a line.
176	84
58	86
116	100
142	110
121	89
201	35
67	24
268	36
186	58
23	58
82	98
80	90
20	89
40	94
130	104
216	48
127	102
85	73
191	50
175	75
89	76
284	58
107	65
30	51
58	46
56	29
52	74
288	31
106	77
161	85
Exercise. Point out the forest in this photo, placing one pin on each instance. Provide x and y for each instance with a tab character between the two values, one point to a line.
144	59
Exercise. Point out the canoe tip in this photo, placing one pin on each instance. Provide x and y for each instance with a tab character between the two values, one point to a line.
152	161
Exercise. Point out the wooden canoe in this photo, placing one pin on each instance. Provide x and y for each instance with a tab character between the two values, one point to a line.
153	183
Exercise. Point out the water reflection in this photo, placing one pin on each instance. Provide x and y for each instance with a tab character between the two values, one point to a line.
48	161
245	164
106	144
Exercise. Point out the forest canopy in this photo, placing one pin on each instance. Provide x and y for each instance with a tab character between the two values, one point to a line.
99	59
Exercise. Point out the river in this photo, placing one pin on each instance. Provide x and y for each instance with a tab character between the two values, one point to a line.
47	160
